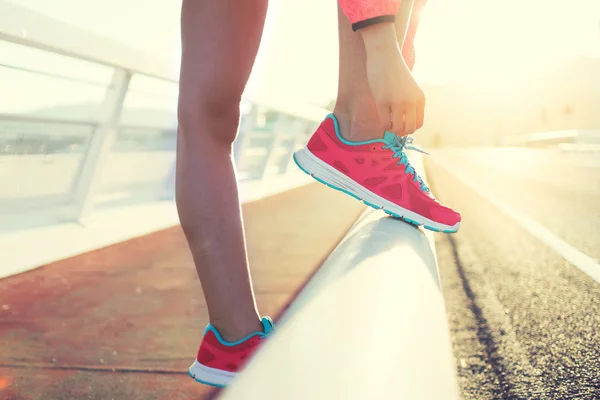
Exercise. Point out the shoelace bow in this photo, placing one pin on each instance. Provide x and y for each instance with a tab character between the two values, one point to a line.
398	146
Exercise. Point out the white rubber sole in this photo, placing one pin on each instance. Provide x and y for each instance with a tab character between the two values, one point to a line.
210	376
333	178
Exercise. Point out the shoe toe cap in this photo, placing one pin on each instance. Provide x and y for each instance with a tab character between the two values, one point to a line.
445	215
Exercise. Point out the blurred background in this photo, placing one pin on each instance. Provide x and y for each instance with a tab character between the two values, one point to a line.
493	72
87	151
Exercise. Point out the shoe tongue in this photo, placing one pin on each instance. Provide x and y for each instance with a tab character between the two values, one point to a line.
267	323
389	137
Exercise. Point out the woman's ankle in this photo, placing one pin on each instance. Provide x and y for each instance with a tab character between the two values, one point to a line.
358	122
232	331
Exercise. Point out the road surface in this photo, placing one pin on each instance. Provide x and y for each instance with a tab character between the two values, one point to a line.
525	322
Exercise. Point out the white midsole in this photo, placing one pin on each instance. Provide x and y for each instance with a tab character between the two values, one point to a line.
320	169
210	375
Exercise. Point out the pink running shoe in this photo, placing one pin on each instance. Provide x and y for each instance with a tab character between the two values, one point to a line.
219	361
378	173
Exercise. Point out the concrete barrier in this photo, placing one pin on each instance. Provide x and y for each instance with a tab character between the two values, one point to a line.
370	324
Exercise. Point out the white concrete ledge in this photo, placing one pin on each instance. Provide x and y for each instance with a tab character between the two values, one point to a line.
371	324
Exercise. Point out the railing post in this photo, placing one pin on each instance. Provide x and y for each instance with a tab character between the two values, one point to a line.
168	189
100	144
279	128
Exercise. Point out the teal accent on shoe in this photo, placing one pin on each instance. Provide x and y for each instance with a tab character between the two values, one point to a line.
349	143
393	214
323	182
397	146
410	221
389	137
431	228
267	323
204	382
372	205
351	194
449	231
300	166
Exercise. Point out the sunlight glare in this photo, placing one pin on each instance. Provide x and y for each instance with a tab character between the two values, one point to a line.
502	46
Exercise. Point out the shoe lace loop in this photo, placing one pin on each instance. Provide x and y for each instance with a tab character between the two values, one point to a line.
398	145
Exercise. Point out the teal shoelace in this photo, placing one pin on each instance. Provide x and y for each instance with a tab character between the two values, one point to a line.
398	146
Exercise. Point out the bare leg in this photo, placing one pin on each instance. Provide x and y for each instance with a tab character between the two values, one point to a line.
220	39
355	107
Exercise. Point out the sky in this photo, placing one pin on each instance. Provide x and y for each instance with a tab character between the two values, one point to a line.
492	44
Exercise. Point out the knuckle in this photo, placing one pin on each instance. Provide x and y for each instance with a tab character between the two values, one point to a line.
382	102
404	103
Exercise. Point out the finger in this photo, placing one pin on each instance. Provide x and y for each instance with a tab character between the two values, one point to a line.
410	120
384	115
397	120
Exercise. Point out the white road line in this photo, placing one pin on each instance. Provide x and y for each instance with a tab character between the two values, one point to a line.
579	259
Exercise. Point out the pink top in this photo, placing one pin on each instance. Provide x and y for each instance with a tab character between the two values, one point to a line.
363	13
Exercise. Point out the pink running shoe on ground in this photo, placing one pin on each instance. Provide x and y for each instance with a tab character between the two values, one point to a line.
218	361
378	173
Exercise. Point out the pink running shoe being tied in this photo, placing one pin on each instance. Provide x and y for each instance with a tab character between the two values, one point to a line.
377	172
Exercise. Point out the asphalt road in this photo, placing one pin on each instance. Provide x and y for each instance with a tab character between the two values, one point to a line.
525	323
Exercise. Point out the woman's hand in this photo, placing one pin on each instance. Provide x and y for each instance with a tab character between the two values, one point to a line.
399	99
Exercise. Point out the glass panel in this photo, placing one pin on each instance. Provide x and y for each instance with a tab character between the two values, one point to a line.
39	162
258	134
283	155
251	165
150	102
138	165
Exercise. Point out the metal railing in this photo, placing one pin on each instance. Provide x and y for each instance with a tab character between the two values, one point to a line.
66	161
